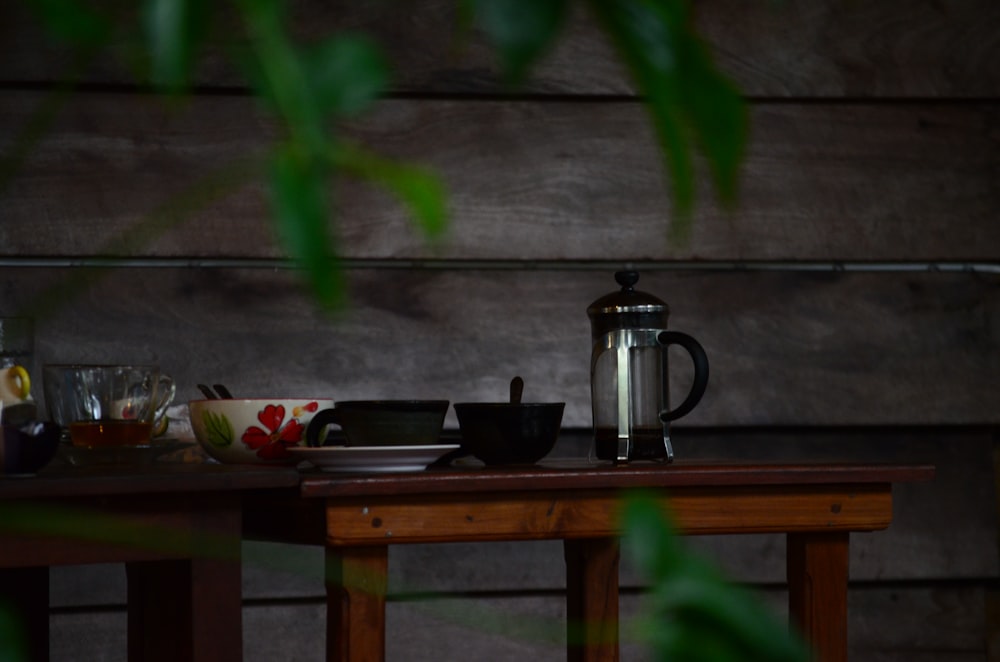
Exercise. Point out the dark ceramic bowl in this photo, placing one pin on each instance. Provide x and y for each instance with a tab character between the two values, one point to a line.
509	433
26	448
382	422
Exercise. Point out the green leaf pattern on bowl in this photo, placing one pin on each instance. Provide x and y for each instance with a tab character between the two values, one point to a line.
219	431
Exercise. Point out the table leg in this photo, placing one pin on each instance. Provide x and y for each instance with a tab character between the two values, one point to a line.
592	599
356	582
817	591
24	595
185	609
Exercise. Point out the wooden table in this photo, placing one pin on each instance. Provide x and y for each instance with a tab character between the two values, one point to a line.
357	518
177	528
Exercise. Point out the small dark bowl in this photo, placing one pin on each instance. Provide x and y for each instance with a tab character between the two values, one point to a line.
27	448
382	422
509	433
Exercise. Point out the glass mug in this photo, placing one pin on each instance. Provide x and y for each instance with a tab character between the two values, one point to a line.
103	406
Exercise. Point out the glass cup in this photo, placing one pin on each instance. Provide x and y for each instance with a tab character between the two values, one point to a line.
105	406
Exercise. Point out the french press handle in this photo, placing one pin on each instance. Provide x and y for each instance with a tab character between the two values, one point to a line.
700	382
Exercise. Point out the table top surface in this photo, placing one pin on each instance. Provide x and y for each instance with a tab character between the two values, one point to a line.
582	475
167	477
152	478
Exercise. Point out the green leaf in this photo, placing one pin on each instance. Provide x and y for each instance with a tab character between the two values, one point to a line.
340	77
72	21
218	428
174	30
716	112
279	74
299	200
692	612
649	538
691	103
13	647
421	190
521	30
346	74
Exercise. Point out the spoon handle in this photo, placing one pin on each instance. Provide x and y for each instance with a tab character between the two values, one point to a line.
516	389
223	392
207	392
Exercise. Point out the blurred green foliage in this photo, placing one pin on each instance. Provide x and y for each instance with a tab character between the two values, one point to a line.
692	614
13	647
311	87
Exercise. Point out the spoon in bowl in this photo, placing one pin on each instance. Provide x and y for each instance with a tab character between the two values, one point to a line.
516	389
223	392
220	392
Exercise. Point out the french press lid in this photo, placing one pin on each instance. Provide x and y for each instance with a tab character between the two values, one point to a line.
627	309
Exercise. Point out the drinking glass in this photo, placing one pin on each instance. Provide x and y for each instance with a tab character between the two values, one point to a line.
102	406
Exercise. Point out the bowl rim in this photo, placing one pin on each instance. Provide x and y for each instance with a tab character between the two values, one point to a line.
508	405
252	400
405	405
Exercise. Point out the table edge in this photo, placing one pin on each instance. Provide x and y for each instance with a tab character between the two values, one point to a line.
436	481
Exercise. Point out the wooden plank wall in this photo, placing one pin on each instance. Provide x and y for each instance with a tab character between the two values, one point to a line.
855	287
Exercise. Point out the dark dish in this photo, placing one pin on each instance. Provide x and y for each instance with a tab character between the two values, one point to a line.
26	448
382	422
505	433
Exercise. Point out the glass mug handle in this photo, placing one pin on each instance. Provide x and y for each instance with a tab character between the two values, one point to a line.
17	381
700	382
166	389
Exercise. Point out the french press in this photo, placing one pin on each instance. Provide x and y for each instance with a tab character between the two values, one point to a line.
629	386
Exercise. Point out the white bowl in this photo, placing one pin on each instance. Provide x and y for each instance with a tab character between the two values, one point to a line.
254	430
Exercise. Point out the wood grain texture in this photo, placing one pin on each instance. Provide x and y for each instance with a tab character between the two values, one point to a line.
531	516
784	348
890	49
356	588
527	181
592	600
817	591
942	529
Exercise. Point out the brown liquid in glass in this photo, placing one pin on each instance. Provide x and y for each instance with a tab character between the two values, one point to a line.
647	444
110	434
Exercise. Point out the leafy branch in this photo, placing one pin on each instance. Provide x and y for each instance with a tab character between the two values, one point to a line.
692	613
311	89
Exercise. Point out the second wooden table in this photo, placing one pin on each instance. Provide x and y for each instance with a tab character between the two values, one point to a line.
357	517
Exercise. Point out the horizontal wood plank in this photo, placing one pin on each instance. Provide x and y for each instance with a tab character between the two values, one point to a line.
822	349
378	520
928	623
890	49
527	181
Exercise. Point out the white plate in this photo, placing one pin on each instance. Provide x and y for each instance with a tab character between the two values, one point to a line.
381	459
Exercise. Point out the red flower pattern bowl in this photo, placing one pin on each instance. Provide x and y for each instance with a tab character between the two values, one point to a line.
255	430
